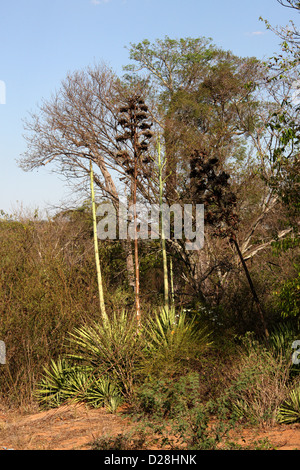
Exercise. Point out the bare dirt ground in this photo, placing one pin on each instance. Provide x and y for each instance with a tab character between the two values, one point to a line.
76	427
65	428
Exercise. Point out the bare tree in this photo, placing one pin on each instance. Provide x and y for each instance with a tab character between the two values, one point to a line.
79	125
76	126
290	4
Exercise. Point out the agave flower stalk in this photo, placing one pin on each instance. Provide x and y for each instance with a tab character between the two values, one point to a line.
163	238
136	249
99	275
172	282
134	122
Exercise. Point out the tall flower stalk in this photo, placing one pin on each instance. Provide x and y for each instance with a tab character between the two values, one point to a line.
163	238
96	248
134	141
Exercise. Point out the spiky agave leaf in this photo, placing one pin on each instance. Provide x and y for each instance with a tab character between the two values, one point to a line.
56	385
171	333
289	411
65	383
113	347
95	343
172	341
282	336
105	392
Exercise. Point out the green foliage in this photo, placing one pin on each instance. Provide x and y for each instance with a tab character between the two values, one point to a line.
282	337
289	411
259	383
289	297
172	408
281	246
172	338
114	353
171	61
64	382
167	397
113	347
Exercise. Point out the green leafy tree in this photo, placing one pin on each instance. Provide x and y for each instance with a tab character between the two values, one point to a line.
171	65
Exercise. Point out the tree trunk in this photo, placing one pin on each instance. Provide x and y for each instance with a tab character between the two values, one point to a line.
259	307
129	263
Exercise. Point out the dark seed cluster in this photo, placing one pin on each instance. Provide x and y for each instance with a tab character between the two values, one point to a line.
211	188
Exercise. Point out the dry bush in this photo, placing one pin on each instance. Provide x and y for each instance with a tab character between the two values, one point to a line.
47	286
258	383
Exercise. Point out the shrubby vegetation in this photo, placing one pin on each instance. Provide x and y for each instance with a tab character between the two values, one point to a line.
194	343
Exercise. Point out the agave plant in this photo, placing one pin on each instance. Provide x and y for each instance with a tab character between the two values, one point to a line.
65	383
172	337
289	411
170	329
113	347
282	337
49	392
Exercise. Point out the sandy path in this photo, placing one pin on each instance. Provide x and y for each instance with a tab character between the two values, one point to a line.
76	427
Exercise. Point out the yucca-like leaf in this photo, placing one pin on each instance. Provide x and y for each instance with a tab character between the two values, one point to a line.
289	411
113	347
282	337
64	383
50	389
172	335
105	392
105	341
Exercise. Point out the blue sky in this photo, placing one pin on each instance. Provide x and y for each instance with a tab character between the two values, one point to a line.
42	40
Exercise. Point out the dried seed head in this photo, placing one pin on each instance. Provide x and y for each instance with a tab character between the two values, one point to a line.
145	125
143	146
148	134
141	115
122	154
120	138
130	171
144	107
122	121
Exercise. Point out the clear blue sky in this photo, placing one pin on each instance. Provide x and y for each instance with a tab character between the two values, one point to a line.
41	40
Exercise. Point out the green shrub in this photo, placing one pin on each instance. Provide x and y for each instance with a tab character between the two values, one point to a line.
168	396
288	297
172	339
289	411
173	410
258	385
63	383
113	348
